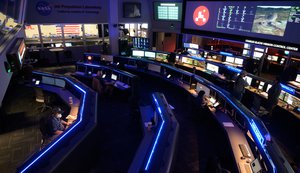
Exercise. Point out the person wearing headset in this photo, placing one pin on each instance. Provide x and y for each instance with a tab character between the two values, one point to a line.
56	124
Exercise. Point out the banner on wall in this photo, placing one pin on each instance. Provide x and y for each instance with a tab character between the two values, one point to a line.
75	11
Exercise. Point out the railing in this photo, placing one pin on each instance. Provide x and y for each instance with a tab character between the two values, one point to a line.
47	159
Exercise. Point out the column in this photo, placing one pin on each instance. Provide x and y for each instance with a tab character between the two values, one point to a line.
113	26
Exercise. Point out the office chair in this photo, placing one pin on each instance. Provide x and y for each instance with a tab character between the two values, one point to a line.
41	98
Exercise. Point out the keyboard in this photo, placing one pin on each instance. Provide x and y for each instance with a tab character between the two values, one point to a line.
245	151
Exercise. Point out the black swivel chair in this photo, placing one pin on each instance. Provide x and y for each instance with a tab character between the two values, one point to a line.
40	97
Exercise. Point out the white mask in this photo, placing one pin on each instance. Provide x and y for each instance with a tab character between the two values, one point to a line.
58	115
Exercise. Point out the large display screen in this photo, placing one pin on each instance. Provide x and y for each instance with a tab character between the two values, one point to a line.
272	21
167	11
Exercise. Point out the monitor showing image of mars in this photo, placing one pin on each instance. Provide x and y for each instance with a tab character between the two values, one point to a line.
271	20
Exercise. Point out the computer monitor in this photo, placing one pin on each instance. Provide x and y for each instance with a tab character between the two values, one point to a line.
103	76
58	45
187	60
154	67
261	85
248	80
192	51
239	61
268	87
48	80
281	96
214	57
37	82
298	78
274	58
212	100
68	44
150	55
200	87
229	59
138	53
212	67
161	57
289	99
114	77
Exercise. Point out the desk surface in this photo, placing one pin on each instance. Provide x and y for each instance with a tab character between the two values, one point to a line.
64	95
236	137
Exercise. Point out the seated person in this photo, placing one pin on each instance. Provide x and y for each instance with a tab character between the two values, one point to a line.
200	99
102	86
55	125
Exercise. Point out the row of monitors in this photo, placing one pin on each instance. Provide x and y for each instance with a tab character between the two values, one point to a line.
90	71
61	45
234	60
150	55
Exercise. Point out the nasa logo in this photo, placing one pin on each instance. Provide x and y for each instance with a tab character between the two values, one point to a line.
201	15
43	8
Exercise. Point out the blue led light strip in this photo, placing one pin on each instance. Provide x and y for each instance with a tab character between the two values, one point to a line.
158	135
287	89
66	132
236	70
226	53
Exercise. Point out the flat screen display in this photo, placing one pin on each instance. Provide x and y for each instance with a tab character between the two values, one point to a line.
241	20
248	80
212	67
114	77
192	51
167	11
161	57
298	78
238	61
131	10
274	58
58	45
68	44
187	60
138	53
191	45
150	55
257	55
229	59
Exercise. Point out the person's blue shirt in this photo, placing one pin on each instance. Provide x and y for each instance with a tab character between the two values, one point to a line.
55	124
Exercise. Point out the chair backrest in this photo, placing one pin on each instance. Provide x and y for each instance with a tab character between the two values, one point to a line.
39	95
97	85
44	126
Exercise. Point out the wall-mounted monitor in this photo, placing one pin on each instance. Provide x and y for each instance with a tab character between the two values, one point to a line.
150	55
238	61
212	67
298	78
131	10
138	53
261	21
171	11
229	59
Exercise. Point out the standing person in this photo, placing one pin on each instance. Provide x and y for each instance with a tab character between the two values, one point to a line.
273	95
239	86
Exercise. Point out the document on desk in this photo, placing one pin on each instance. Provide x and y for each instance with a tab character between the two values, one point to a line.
228	124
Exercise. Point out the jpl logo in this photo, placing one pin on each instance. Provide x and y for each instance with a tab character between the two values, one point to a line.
43	8
201	15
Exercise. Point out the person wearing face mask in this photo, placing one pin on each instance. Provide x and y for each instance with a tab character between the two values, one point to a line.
56	124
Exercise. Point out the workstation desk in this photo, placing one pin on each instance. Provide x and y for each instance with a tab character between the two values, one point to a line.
84	106
242	118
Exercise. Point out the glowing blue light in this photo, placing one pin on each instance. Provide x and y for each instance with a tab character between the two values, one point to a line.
92	65
158	135
287	89
198	58
226	53
255	129
66	132
236	70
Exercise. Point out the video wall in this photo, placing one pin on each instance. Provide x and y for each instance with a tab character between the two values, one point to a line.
267	20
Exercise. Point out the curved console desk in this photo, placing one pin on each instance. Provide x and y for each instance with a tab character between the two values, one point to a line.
84	109
156	151
263	150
